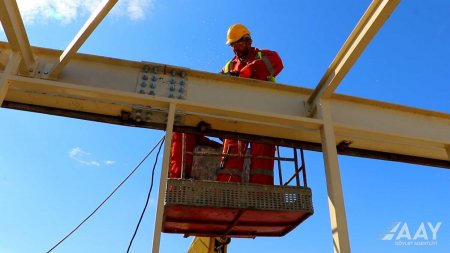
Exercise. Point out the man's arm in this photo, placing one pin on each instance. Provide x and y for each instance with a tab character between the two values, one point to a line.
270	65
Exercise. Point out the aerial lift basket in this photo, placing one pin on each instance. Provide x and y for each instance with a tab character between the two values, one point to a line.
204	207
210	208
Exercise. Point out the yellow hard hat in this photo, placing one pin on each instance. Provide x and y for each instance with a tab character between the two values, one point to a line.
236	32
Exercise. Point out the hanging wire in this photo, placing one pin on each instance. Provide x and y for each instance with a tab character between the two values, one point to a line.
148	198
109	196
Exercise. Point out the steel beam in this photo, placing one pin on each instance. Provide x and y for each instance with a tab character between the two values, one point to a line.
312	146
163	179
448	151
4	58
16	34
334	186
10	68
109	87
94	20
370	23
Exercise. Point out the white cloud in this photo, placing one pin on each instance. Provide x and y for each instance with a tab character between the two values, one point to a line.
84	158
74	152
136	9
67	11
109	162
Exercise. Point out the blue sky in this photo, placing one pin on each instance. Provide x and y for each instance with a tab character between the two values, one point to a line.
54	171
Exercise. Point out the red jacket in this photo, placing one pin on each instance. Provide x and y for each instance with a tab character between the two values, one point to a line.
261	66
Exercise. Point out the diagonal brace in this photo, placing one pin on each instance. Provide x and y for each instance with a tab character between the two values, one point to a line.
15	32
94	20
370	23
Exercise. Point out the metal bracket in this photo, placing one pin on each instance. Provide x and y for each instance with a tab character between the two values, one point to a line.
158	81
44	69
154	115
343	145
28	72
310	110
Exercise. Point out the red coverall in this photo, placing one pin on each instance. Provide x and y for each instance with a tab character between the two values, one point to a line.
261	65
191	140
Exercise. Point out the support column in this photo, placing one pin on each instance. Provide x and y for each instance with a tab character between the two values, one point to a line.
336	203
11	67
163	180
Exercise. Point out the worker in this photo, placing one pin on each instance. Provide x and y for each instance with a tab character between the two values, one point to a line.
178	157
248	62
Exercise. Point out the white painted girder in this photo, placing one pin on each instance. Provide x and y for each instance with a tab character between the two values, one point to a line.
108	86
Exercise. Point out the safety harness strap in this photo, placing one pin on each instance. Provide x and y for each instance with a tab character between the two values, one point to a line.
226	68
268	64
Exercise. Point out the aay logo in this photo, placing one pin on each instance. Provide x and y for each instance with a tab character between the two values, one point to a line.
425	235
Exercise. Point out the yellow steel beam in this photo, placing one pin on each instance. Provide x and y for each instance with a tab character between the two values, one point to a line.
4	58
370	23
112	102
16	34
106	86
163	179
448	151
10	68
390	128
84	33
336	202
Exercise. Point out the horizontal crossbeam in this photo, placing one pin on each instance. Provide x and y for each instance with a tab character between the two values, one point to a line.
117	91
